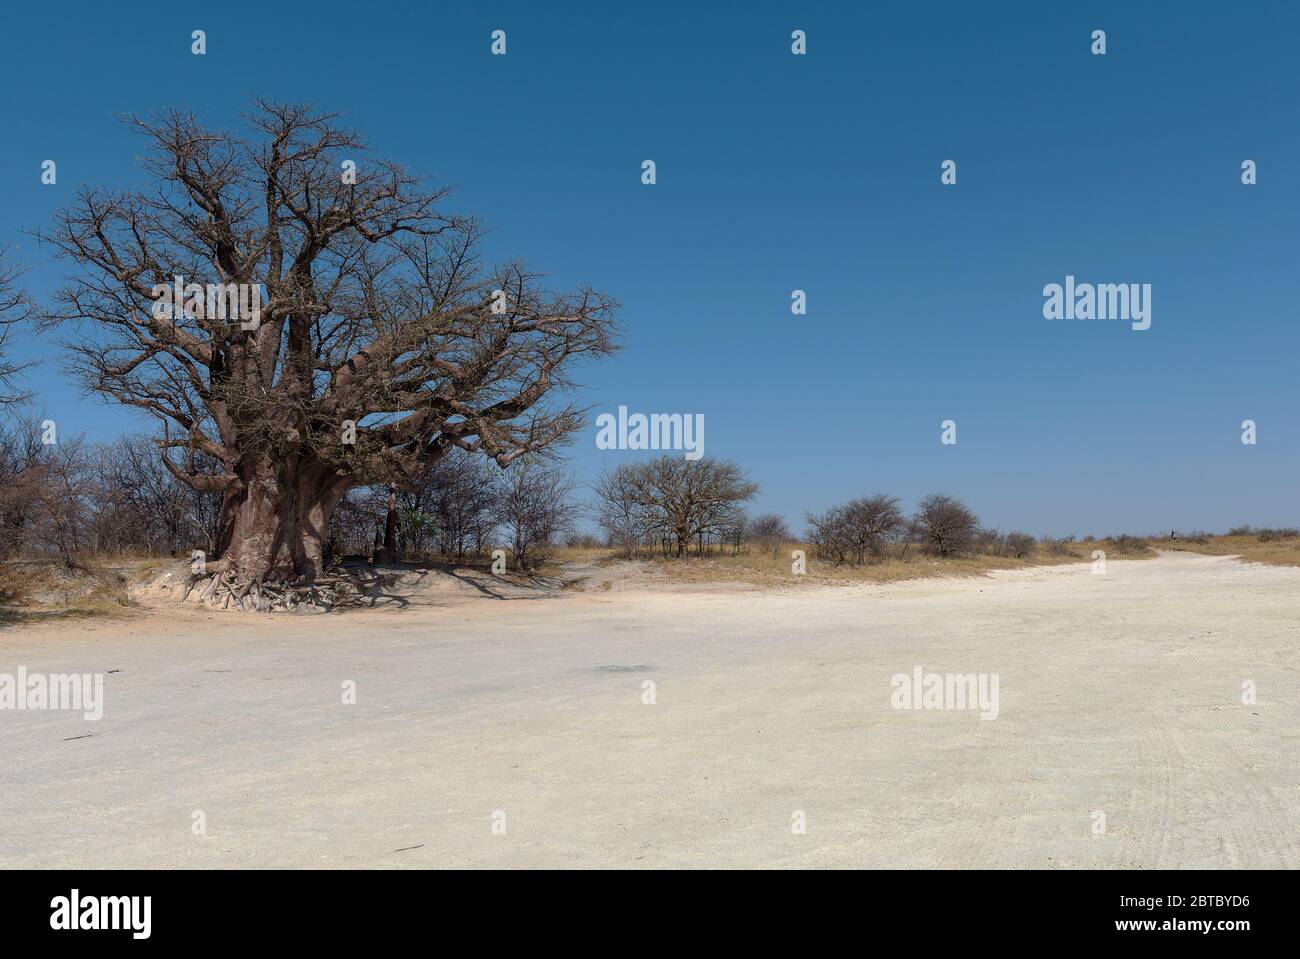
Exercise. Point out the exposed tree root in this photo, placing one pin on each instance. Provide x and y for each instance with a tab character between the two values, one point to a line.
323	594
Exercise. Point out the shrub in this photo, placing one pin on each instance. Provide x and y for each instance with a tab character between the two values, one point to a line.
1124	543
996	543
860	529
768	532
944	525
1019	545
1057	547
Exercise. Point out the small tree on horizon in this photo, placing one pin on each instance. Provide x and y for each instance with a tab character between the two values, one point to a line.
859	529
944	525
769	532
683	499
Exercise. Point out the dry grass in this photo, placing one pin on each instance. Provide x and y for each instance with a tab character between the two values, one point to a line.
38	590
759	568
1265	548
578	554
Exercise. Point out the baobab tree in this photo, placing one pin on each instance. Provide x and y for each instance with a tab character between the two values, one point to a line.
14	308
382	343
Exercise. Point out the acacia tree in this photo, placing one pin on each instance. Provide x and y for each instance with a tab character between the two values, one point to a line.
860	528
944	525
769	532
383	342
681	498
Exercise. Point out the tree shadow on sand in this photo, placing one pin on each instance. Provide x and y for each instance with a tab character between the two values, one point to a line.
402	585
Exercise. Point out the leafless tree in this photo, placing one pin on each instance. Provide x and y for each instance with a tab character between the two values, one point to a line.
769	533
860	529
449	510
379	320
462	493
944	525
65	492
734	529
139	504
351	530
685	499
535	510
626	522
22	456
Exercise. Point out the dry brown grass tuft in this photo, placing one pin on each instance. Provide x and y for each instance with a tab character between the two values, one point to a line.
38	590
1273	550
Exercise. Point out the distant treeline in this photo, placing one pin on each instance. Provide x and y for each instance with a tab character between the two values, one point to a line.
73	498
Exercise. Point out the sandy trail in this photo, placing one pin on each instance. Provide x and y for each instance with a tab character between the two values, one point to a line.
1119	693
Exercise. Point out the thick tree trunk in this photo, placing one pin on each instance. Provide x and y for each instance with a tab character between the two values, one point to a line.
273	530
388	552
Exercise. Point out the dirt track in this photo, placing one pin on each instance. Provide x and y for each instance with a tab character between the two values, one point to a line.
1118	693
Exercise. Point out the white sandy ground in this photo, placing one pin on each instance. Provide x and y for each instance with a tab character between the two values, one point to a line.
1119	693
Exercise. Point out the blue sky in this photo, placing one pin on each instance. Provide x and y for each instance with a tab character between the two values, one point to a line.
820	173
